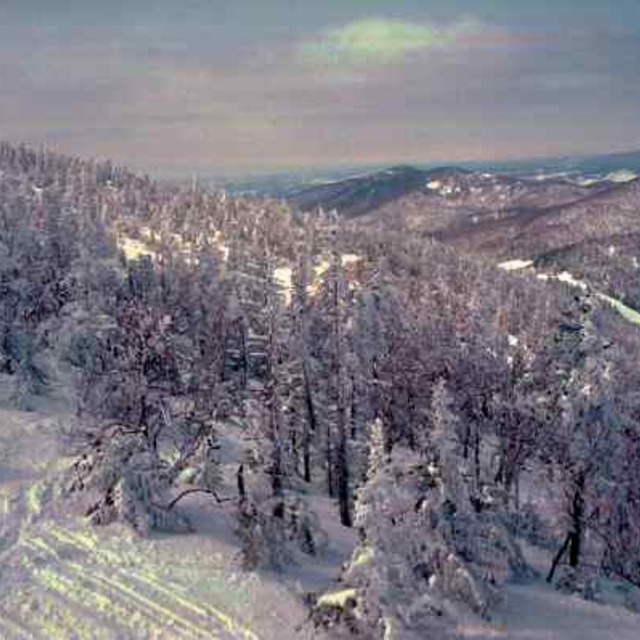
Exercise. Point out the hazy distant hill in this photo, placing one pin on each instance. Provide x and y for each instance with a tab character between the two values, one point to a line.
577	169
430	193
589	227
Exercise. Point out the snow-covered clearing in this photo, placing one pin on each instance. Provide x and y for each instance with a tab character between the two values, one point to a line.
62	579
535	611
629	314
515	265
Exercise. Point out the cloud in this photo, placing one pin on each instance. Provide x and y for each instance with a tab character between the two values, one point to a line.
381	40
375	90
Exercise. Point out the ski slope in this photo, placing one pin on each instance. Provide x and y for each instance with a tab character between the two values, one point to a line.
62	579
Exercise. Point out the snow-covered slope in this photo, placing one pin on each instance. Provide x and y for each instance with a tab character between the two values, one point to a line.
624	310
534	610
62	579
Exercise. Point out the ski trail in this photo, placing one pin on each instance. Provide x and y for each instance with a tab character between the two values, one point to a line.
115	595
231	626
69	566
61	579
174	597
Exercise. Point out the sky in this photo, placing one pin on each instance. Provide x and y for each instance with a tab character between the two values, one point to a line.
176	87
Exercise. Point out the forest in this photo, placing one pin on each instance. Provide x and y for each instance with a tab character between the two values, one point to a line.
451	411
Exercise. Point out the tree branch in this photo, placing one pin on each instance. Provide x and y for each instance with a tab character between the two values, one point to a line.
179	497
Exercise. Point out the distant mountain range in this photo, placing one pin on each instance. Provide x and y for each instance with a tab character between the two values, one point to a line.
579	215
580	169
463	193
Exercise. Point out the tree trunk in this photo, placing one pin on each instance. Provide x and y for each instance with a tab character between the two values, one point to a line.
310	425
341	461
557	558
331	489
577	515
342	464
242	491
244	357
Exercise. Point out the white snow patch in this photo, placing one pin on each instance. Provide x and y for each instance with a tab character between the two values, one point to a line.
587	182
566	277
622	176
626	312
349	258
284	277
629	314
515	265
535	611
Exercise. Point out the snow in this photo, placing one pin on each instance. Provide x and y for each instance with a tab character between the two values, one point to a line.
567	278
629	314
434	185
537	612
515	265
619	177
61	578
134	249
626	312
348	259
622	176
588	182
284	277
337	598
534	610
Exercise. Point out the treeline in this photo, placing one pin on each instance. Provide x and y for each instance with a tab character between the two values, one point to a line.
434	398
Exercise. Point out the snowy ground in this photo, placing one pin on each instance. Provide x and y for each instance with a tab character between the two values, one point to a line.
62	579
629	314
533	610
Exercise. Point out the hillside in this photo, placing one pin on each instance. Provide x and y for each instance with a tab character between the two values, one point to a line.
62	578
224	419
587	227
439	197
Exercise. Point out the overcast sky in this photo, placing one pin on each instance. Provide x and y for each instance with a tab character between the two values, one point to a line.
218	86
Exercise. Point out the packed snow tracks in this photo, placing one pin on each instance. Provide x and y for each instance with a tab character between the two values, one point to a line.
62	579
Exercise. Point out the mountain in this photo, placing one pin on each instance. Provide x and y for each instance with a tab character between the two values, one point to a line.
596	238
361	194
460	192
582	169
589	227
530	230
199	392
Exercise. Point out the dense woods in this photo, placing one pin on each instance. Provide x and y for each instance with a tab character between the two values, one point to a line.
451	410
